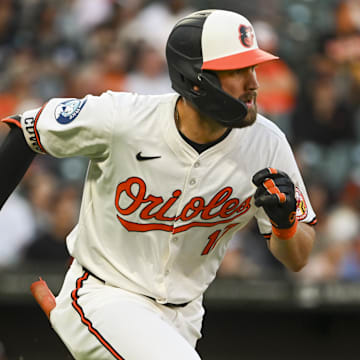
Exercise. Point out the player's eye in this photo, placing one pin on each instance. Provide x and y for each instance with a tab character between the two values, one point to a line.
244	70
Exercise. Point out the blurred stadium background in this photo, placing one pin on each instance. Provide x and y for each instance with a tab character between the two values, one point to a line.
256	310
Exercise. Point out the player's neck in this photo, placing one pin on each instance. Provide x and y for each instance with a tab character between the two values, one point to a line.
195	126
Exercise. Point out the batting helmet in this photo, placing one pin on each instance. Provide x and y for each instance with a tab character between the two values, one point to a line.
212	40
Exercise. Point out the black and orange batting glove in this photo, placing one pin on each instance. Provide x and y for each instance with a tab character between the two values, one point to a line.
276	194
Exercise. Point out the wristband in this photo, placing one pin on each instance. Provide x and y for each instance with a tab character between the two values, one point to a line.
285	234
29	122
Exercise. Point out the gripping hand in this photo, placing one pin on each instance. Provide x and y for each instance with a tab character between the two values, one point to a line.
276	194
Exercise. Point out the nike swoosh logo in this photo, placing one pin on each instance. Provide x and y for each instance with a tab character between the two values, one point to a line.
143	158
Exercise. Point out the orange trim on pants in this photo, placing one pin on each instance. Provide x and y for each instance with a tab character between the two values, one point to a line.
87	322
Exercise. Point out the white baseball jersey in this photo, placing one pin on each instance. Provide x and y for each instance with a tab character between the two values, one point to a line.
156	216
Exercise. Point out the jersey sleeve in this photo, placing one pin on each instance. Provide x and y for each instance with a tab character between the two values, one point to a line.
284	160
71	127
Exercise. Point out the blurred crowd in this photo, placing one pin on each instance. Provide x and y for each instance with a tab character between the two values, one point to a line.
72	48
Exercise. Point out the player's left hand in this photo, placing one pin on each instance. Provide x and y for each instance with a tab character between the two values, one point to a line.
276	194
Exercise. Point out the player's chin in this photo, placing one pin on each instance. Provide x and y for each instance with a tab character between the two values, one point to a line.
249	119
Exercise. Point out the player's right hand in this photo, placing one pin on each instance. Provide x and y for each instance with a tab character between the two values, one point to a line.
276	194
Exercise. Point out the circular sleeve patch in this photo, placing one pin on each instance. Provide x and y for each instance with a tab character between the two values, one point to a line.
68	110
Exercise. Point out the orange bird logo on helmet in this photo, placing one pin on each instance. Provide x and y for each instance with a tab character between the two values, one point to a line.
246	35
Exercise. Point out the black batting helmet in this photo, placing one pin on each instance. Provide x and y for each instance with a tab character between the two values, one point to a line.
212	40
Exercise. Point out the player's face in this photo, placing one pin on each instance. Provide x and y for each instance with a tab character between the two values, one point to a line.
242	84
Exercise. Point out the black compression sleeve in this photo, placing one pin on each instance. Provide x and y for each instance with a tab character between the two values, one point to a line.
15	159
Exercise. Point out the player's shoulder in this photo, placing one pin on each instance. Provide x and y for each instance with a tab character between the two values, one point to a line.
264	126
131	99
133	110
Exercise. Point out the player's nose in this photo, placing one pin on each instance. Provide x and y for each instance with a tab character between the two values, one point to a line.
251	80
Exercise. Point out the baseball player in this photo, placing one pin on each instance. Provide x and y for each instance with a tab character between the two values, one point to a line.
171	178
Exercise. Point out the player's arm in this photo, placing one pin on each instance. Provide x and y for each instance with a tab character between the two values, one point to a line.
291	242
15	158
294	252
62	127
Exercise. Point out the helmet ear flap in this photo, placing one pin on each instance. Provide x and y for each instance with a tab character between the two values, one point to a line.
190	84
217	104
211	77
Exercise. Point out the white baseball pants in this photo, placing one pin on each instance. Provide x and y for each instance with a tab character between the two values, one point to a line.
100	322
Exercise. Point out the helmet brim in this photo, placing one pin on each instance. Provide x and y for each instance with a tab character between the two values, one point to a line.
239	60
